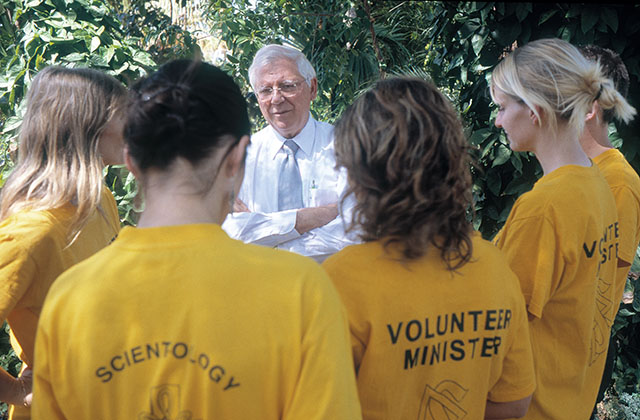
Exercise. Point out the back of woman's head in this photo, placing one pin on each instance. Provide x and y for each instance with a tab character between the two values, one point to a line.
58	155
407	161
185	109
552	76
612	67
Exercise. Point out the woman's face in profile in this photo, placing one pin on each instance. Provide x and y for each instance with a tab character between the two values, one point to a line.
515	118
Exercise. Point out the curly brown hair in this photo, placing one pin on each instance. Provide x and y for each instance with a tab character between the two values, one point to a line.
408	165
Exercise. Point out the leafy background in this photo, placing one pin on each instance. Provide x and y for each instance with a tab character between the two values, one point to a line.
351	44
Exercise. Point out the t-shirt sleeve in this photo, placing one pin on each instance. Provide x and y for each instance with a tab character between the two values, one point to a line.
517	379
326	387
17	271
532	250
628	223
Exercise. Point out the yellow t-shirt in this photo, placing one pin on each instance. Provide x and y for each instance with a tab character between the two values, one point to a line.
428	343
561	240
184	322
625	186
33	252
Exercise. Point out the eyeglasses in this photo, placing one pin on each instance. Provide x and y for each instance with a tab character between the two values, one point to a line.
286	89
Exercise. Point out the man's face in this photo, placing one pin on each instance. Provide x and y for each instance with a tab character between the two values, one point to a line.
286	112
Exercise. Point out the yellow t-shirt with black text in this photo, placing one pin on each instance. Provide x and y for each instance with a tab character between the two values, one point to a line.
33	252
561	240
185	322
625	186
429	343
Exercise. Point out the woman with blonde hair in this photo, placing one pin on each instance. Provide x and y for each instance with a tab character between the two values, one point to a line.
561	238
55	209
438	323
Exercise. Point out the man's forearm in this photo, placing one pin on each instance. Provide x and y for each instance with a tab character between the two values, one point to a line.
314	217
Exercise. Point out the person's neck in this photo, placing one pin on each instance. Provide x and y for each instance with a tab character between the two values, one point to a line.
290	135
178	209
595	140
175	201
560	150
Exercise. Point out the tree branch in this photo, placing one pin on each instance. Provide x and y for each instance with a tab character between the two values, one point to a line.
374	40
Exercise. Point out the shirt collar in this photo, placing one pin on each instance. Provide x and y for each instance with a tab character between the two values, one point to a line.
304	139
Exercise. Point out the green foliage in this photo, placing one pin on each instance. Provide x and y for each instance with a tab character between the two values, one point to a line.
623	407
82	33
125	190
626	330
155	31
335	36
466	40
8	359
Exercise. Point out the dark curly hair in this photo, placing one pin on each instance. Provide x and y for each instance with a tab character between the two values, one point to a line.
612	67
408	166
185	109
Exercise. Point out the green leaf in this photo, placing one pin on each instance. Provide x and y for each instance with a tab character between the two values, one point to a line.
477	42
588	19
108	55
73	57
610	16
11	124
522	10
479	136
546	16
502	155
143	58
494	183
625	312
95	43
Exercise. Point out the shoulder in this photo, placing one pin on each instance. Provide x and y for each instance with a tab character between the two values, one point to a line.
490	260
617	171
29	230
263	136
566	188
324	132
353	256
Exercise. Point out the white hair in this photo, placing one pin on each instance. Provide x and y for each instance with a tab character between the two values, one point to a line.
274	52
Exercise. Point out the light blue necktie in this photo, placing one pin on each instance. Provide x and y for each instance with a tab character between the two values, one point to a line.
289	180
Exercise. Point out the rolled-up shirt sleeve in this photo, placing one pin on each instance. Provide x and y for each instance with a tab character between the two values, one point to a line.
267	229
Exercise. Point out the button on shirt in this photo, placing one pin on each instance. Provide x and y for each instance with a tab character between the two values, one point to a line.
321	185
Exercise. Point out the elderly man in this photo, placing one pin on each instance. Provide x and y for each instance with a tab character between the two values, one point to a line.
291	190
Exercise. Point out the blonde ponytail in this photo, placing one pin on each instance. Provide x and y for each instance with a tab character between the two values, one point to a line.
553	76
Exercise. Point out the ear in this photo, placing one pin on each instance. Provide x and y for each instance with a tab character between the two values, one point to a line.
314	88
130	164
535	119
234	161
593	114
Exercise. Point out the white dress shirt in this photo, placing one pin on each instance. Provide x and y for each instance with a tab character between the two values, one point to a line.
321	184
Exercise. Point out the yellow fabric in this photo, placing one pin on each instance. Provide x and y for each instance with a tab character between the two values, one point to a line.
184	321
430	344
625	186
561	241
33	252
